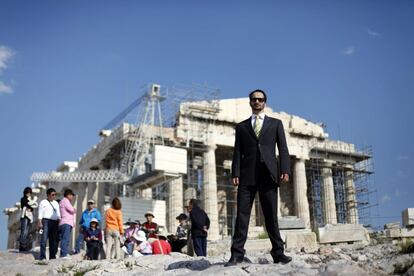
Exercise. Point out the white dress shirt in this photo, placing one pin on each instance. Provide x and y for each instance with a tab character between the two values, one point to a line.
47	211
260	116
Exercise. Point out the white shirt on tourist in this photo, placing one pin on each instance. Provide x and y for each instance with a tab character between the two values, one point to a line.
47	211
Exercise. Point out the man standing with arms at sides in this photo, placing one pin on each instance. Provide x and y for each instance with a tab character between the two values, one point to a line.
48	222
255	169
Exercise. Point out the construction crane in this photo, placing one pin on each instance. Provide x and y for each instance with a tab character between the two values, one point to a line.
138	145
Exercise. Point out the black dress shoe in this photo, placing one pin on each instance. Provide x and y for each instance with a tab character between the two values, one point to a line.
282	258
233	261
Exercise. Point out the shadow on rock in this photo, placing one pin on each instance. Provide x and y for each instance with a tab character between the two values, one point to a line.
197	265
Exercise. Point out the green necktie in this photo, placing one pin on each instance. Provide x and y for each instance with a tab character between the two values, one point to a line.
257	126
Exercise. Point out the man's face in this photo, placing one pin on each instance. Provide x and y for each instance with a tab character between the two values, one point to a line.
257	102
190	207
91	206
51	196
149	218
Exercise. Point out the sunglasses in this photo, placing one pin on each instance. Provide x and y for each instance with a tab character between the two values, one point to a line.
261	100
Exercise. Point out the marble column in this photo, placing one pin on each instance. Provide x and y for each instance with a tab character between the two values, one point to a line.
352	211
209	191
222	212
300	192
328	197
175	203
146	193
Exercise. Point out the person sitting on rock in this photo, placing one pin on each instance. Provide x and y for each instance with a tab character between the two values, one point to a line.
93	238
134	226
179	240
149	227
142	246
161	246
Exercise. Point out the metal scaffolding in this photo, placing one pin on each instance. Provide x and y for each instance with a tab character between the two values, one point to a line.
355	168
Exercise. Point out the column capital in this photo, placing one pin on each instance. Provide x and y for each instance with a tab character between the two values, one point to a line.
211	147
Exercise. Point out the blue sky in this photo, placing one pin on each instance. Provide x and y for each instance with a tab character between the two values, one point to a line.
68	67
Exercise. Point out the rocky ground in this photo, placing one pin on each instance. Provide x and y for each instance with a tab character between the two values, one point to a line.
355	260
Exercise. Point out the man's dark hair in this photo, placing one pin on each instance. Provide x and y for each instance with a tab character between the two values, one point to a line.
27	190
50	190
260	91
68	192
194	202
116	203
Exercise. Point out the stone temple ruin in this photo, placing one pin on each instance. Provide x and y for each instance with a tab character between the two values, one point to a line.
190	156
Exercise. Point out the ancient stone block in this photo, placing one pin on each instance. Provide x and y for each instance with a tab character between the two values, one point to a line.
299	240
335	233
408	217
291	222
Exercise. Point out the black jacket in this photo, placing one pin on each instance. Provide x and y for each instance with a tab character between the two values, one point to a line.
248	147
199	219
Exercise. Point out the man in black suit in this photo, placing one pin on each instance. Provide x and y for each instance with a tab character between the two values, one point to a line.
255	169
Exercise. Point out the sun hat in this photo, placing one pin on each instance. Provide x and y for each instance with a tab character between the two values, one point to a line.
149	213
140	236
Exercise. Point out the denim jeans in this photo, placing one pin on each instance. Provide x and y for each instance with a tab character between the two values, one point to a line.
80	240
50	232
65	231
200	245
24	234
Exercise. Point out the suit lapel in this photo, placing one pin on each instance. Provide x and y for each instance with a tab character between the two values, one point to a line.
265	126
250	129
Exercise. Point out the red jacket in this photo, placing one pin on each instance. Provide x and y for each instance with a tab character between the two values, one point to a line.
161	247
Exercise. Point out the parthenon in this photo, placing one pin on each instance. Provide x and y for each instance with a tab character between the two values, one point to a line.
326	187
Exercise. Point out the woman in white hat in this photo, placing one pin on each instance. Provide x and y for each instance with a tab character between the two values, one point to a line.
142	246
93	238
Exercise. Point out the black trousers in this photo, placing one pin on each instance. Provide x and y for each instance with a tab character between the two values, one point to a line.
50	231
200	245
267	190
93	249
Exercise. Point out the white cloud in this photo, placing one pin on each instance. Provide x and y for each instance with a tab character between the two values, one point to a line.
373	33
349	51
385	198
6	55
5	89
402	157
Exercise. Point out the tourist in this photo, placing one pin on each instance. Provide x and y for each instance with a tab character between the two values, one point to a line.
179	240
67	213
27	204
142	246
161	246
48	223
134	226
114	229
200	224
256	169
149	227
93	238
87	215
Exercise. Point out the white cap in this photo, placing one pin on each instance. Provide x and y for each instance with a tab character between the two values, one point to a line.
140	236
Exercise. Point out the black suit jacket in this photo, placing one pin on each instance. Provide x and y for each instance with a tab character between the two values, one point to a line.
249	149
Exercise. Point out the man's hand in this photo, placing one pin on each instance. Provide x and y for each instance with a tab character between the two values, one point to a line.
39	224
236	181
284	177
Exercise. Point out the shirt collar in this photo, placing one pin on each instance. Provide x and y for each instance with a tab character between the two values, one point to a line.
260	115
